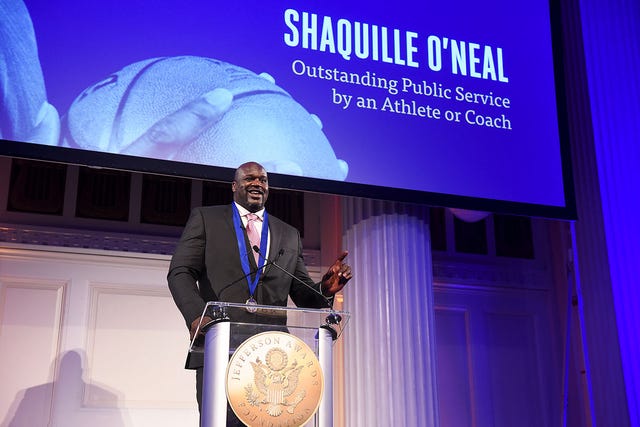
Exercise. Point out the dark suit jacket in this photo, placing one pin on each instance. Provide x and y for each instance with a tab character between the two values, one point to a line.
207	261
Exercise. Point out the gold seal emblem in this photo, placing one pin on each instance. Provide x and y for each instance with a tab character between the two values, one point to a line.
274	379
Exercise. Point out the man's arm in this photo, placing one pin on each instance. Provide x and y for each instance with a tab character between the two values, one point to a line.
187	264
332	282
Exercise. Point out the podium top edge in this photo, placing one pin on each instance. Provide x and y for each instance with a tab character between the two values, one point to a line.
285	309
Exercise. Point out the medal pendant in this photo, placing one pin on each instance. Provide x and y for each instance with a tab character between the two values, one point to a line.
251	302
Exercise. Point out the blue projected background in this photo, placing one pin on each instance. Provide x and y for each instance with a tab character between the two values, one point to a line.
453	99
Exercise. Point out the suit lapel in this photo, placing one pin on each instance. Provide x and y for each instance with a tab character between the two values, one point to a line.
276	237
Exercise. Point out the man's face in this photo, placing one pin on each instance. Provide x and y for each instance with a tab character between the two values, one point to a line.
250	187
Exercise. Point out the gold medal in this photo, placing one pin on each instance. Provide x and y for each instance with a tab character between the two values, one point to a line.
274	378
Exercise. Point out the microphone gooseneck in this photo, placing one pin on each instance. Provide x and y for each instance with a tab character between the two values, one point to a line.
324	298
253	271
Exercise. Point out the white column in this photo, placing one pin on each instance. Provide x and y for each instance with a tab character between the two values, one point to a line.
389	343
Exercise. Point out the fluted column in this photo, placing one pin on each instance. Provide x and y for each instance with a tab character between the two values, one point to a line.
389	355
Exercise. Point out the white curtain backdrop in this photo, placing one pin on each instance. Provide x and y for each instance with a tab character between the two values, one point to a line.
389	342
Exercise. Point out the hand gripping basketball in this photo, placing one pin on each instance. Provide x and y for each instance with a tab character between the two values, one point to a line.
201	110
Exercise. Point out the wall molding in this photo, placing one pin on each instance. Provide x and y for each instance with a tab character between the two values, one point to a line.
54	242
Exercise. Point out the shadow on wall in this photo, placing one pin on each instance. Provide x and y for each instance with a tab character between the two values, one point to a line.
63	401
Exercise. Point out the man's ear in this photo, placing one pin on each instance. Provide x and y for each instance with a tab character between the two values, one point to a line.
233	186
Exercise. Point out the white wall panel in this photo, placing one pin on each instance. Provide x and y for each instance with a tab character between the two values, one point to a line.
454	378
498	361
99	341
514	371
30	318
129	332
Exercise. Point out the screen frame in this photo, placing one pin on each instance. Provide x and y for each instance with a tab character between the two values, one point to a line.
215	173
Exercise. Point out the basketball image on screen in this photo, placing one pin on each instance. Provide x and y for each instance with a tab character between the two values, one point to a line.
200	110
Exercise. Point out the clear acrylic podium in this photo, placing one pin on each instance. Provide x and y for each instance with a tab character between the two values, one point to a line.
234	323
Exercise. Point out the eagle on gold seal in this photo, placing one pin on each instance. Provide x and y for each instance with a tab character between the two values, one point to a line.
276	382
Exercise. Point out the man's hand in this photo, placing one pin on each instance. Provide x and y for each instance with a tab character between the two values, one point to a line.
194	326
336	277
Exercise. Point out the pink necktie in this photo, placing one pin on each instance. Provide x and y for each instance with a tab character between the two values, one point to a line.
252	233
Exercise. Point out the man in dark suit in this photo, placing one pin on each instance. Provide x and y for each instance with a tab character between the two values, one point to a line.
215	253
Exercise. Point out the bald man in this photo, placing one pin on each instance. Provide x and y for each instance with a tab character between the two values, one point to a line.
208	260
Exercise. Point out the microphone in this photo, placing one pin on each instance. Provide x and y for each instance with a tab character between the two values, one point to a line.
324	298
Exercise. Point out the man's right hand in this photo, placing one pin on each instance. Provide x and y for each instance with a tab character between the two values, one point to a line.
194	326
